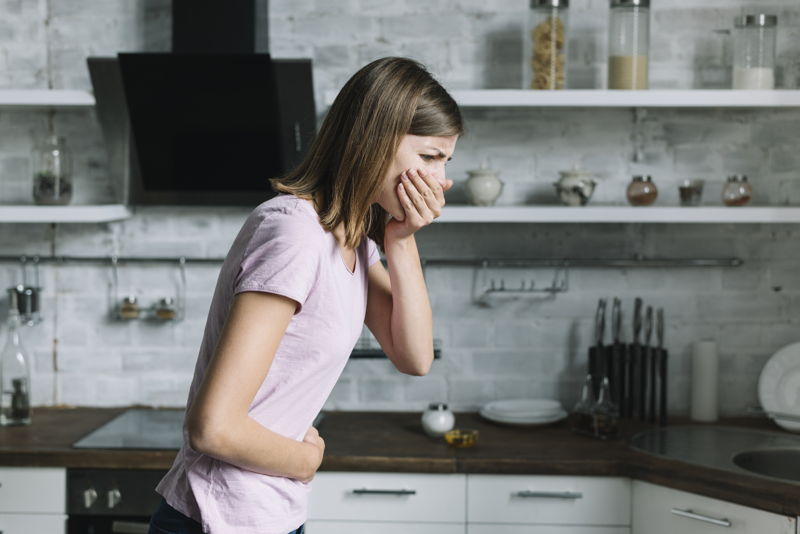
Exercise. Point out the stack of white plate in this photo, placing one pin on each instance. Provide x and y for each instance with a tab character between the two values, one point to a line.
524	411
779	387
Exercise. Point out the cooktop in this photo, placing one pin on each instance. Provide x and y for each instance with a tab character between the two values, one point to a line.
138	429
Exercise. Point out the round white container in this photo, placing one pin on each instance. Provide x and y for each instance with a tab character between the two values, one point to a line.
437	419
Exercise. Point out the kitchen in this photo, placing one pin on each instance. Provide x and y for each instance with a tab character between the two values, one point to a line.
493	345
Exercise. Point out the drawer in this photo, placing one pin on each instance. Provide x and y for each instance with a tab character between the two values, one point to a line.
371	527
655	508
33	490
486	528
30	523
388	497
558	500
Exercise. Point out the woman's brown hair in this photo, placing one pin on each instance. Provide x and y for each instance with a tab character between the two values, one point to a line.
345	166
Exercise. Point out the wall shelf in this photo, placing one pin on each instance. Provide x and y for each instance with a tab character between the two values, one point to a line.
64	214
603	98
617	214
45	98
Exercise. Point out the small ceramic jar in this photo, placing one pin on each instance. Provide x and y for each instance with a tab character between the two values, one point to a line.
575	187
737	191
483	186
642	191
437	419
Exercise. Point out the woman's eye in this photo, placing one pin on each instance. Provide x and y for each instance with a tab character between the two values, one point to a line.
427	157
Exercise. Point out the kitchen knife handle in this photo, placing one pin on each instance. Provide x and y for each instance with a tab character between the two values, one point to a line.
648	324
660	327
616	319
637	319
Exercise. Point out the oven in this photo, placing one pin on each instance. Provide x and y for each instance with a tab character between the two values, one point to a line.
106	501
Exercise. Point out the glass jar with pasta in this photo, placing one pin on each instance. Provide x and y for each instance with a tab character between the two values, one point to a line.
545	45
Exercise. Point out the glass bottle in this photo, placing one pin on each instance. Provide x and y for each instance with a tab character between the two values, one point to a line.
628	44
545	45
754	51
737	191
642	191
605	414
581	418
15	372
51	163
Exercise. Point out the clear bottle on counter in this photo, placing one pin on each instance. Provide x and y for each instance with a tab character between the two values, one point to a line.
51	163
545	45
737	191
605	414
754	51
581	417
15	372
629	44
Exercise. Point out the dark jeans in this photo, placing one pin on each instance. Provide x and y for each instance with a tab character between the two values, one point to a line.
167	520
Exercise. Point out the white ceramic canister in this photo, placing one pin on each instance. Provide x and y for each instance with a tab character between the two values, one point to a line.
437	419
483	186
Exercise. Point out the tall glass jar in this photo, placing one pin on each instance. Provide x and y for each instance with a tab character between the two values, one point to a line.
754	51
545	45
629	44
52	172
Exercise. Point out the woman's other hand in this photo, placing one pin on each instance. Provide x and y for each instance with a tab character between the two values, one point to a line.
316	451
422	198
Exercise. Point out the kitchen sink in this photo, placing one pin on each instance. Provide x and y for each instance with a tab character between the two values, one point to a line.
739	450
776	463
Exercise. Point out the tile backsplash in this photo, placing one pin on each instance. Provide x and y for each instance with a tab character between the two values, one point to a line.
525	347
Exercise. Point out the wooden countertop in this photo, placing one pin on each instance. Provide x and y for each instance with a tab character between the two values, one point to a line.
394	442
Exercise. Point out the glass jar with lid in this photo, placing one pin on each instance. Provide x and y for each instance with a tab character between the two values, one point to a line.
754	51
545	45
737	191
51	163
629	44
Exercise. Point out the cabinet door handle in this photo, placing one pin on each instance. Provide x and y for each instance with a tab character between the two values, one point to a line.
691	515
548	494
365	491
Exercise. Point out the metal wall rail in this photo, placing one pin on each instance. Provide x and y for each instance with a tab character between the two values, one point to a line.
633	262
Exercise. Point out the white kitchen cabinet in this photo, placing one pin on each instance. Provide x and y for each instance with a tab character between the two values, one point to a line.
660	510
543	529
383	527
33	499
575	504
387	503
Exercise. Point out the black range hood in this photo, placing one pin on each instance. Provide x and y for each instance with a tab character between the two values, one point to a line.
212	121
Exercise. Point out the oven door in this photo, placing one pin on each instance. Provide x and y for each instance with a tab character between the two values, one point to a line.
77	524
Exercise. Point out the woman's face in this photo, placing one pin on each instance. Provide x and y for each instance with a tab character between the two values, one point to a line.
415	152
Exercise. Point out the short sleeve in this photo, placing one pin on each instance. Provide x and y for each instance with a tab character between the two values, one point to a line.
281	258
373	255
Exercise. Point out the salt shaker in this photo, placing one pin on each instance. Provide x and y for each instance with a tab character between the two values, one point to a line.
437	419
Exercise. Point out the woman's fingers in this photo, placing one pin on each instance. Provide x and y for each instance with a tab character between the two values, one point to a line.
431	196
417	197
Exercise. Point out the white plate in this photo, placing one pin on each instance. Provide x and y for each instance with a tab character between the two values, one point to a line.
530	421
779	385
524	407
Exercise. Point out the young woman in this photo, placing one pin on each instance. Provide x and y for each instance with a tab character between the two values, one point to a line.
300	280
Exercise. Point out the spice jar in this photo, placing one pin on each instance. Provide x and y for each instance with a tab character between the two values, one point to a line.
437	419
754	51
129	308
642	191
628	44
165	309
737	191
545	45
51	163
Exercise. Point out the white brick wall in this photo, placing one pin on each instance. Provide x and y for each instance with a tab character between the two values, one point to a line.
512	348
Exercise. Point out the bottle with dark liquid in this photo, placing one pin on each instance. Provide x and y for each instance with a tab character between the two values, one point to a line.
605	414
581	417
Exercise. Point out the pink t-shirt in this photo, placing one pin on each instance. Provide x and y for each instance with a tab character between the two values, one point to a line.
282	249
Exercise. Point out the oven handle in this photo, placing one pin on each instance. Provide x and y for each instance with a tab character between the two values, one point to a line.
129	527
